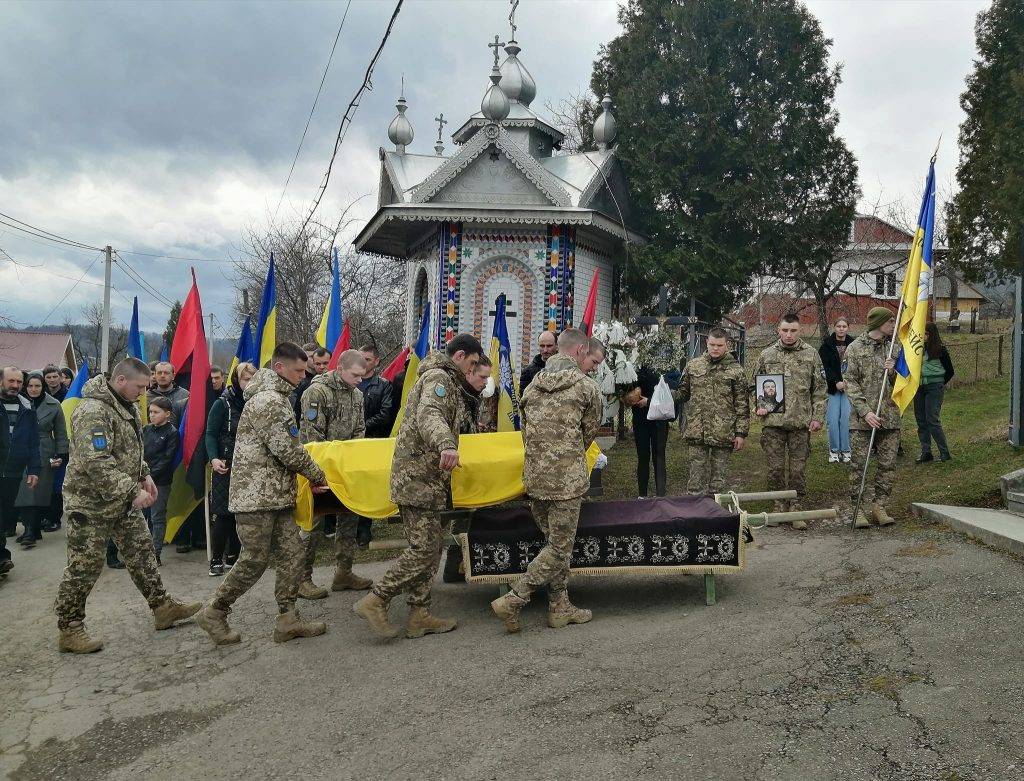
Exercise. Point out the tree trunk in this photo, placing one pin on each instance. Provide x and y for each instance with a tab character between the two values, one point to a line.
821	303
954	289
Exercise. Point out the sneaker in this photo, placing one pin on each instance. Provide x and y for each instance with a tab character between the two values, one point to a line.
833	457
52	526
6	565
27	541
946	457
847	456
216	568
185	548
924	458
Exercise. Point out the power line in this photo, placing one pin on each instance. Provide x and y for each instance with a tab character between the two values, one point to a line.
173	257
309	119
42	233
70	291
346	119
127	268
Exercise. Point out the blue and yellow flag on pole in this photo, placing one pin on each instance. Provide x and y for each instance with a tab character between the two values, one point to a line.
417	355
137	349
74	394
266	326
331	323
503	370
917	289
245	350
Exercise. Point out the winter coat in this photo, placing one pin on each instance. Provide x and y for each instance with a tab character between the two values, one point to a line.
331	410
221	427
561	412
529	372
159	446
53	443
268	451
106	464
23	444
717	401
831	362
378	401
178	397
803	384
433	411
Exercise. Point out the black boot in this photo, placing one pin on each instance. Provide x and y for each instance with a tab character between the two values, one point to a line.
51	526
115	563
924	458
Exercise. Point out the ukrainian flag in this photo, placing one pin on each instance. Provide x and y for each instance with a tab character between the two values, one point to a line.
917	289
266	326
245	351
501	362
74	394
328	333
418	354
137	349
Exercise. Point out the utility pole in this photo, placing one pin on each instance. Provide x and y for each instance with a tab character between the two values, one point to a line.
209	337
105	342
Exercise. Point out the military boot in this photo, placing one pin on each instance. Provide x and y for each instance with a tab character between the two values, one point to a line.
374	611
349	581
422	623
171	610
310	590
215	623
562	612
881	516
75	640
861	521
508	608
291	625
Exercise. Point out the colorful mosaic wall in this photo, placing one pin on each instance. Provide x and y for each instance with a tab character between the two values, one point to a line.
450	265
560	276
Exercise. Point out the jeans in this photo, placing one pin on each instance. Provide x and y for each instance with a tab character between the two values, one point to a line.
158	516
651	437
837	418
927	410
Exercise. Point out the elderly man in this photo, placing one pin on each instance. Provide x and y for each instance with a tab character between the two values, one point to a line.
163	373
547	345
23	462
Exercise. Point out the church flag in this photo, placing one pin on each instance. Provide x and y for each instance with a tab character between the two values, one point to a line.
417	355
245	350
74	394
917	290
396	365
587	323
266	326
343	343
504	371
329	332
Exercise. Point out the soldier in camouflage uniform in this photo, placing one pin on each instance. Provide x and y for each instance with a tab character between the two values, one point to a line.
788	433
866	361
472	389
717	416
268	454
106	487
332	411
426	452
561	412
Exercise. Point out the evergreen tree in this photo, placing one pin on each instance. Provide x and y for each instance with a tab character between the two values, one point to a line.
172	325
985	215
727	135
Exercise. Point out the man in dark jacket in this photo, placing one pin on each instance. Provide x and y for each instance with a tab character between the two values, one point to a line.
547	346
19	421
317	360
53	384
166	388
378	408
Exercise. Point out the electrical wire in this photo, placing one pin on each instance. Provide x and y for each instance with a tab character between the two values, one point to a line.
42	233
173	257
309	119
70	290
130	271
346	119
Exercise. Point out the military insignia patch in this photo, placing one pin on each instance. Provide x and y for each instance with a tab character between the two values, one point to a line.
294	431
311	413
99	439
440	391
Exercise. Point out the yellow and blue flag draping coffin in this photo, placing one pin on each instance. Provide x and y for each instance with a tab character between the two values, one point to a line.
359	473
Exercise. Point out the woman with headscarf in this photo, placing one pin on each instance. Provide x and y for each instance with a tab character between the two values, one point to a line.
53	453
221	426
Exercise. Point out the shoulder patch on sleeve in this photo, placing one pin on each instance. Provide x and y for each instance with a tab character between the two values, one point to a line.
311	413
440	391
293	430
99	439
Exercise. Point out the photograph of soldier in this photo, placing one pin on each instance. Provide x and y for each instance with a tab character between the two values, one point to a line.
106	488
786	436
771	392
268	454
867	364
426	452
714	389
561	413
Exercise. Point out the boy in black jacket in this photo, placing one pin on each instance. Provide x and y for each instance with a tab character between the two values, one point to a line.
160	443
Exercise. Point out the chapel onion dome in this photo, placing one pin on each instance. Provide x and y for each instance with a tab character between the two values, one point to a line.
495	105
400	129
605	129
516	82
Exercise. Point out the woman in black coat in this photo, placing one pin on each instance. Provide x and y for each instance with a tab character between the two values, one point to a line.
53	452
837	415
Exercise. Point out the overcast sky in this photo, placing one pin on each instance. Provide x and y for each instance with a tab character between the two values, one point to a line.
169	128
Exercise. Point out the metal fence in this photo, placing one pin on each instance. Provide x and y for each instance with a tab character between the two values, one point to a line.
979	359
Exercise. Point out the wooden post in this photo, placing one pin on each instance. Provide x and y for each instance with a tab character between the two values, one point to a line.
977	359
709	590
999	369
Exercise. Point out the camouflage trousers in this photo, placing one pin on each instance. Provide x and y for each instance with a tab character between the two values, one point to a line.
268	538
87	546
887	446
777	443
709	469
557	519
344	544
416	567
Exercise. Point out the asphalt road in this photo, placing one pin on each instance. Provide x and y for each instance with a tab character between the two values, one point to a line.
885	654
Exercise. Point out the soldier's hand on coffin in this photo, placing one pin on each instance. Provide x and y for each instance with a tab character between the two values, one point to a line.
738	443
321	489
219	465
449	460
873	420
142	500
815	425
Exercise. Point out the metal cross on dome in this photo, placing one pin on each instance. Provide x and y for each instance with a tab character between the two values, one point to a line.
441	122
497	47
512	17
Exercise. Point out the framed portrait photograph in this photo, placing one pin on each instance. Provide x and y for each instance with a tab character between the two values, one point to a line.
771	392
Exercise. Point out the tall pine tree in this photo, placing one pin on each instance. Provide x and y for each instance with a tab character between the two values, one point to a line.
985	216
172	325
727	134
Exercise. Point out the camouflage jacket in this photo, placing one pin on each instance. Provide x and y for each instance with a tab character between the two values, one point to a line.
865	358
561	412
331	410
268	451
105	462
433	412
717	401
803	393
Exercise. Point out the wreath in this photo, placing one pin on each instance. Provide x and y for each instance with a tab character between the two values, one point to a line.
617	373
661	351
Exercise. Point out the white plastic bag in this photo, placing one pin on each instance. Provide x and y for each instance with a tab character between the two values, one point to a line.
661	406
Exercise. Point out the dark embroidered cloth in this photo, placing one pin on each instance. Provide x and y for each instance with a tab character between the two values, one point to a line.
683	534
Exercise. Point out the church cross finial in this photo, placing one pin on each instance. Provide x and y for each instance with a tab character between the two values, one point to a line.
497	47
441	122
512	17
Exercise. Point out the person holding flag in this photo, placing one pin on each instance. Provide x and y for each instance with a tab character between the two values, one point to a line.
411	371
266	325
